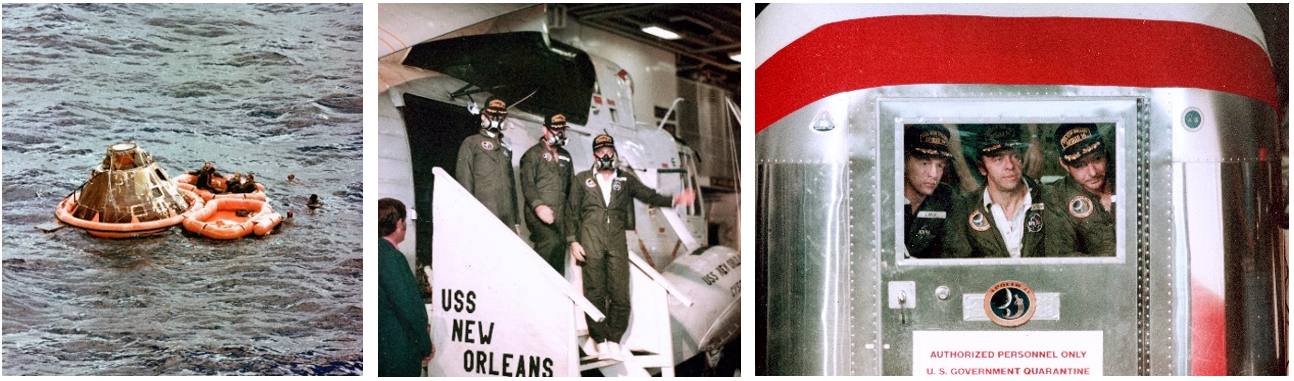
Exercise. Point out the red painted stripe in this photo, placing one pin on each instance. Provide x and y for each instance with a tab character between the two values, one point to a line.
938	49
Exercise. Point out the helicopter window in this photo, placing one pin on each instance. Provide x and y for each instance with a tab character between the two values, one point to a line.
1013	190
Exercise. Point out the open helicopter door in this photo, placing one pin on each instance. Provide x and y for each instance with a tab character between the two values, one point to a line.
1043	315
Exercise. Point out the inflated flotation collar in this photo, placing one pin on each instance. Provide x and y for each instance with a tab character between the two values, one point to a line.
134	228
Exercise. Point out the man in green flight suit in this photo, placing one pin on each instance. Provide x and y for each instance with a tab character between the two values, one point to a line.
403	341
927	201
1080	221
1004	218
485	165
598	212
545	179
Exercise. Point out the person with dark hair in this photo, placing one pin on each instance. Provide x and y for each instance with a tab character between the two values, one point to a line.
598	212
927	200
545	179
1004	218
244	185
404	342
485	165
234	183
207	177
1080	220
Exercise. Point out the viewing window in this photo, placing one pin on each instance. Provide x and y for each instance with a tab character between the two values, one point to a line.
1007	190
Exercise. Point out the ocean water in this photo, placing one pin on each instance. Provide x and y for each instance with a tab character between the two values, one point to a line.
264	88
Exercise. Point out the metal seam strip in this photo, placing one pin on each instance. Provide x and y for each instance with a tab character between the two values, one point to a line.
1143	237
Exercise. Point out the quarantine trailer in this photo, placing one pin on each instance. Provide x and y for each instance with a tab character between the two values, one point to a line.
1185	100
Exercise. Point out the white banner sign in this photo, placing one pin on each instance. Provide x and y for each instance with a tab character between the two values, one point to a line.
1007	353
498	309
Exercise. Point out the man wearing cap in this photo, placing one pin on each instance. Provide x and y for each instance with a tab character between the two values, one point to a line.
545	179
598	212
1079	220
927	200
485	165
1004	218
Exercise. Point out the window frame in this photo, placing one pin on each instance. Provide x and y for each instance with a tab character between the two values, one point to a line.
1124	130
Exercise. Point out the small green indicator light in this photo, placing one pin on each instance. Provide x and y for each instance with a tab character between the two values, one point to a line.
1192	119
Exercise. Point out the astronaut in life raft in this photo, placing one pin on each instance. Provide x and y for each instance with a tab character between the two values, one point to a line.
209	179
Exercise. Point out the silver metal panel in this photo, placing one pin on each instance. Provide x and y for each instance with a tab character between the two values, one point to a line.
1218	208
807	244
1227	132
1180	352
1249	241
1048	307
794	140
866	237
1166	282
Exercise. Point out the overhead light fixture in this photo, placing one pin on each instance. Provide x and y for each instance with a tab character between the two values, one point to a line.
661	32
735	56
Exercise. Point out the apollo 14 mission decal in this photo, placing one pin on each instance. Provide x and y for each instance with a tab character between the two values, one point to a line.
1009	303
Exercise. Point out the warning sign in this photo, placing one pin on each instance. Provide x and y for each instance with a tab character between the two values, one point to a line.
1007	353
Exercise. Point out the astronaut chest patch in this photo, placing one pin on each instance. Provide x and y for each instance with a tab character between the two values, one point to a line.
1033	222
924	233
978	221
589	183
487	145
616	185
1081	206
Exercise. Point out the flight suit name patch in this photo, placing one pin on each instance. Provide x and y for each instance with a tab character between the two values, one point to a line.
978	222
1080	206
932	214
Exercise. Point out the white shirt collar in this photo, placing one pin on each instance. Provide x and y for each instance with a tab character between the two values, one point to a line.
988	201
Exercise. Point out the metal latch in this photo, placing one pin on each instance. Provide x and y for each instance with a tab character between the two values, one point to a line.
902	296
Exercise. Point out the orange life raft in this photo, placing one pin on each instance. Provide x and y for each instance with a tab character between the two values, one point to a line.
218	218
189	182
